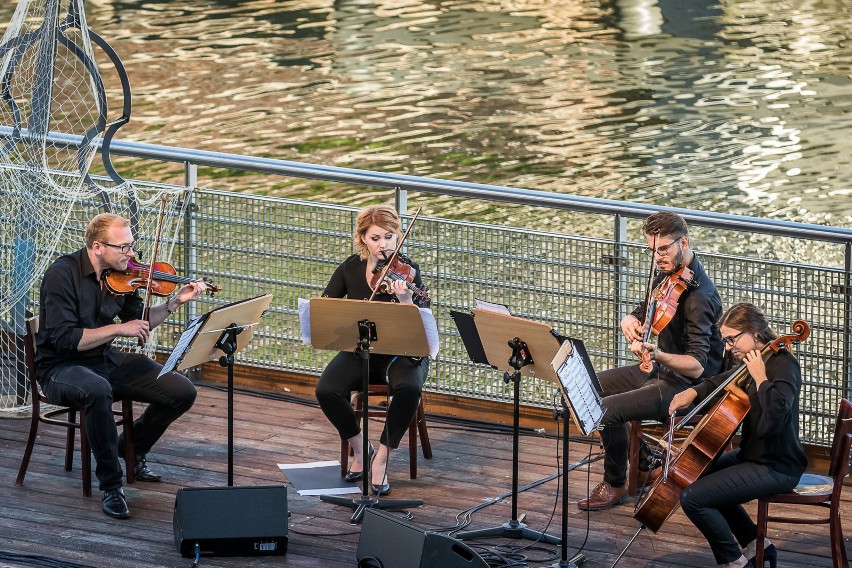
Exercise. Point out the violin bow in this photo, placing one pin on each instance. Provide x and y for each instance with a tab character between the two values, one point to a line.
390	260
650	306
147	308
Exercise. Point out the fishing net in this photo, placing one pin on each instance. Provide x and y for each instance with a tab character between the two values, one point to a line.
55	74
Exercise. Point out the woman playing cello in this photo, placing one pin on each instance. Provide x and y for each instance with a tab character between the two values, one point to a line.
377	231
770	458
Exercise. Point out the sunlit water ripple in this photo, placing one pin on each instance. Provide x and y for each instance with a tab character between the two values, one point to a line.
727	105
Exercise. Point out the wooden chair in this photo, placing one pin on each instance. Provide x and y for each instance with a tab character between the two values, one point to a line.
635	446
823	491
418	425
54	416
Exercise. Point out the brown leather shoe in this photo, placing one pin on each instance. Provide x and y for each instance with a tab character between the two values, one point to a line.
603	497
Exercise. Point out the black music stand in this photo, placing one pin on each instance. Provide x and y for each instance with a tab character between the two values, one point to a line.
384	328
521	342
218	335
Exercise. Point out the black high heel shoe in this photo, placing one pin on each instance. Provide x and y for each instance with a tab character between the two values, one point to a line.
357	475
384	488
770	554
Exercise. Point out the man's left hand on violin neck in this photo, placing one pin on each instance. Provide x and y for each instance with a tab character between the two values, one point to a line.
190	291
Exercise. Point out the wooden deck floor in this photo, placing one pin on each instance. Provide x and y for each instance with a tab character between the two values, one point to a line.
49	516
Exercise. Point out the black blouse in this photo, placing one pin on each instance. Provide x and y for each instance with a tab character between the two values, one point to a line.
692	330
770	431
350	281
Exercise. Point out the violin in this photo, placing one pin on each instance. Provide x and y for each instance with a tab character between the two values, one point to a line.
399	269
164	279
662	308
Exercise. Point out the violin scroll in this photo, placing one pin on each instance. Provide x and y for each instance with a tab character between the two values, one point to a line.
801	331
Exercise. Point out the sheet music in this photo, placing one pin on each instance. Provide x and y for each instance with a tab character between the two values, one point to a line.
305	320
182	345
431	328
577	388
491	307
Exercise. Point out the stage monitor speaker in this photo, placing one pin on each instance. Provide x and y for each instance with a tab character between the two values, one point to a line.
388	542
231	521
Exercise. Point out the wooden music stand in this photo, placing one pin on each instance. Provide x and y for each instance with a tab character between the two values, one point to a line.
383	328
529	347
218	334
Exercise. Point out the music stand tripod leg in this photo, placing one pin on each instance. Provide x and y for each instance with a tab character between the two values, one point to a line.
514	528
367	333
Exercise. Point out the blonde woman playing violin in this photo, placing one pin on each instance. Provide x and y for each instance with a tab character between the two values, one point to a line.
377	232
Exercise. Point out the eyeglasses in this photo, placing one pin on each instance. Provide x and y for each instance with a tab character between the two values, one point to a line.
663	250
123	249
731	339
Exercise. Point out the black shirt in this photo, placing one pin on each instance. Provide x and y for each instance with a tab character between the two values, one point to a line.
72	299
693	329
770	431
350	281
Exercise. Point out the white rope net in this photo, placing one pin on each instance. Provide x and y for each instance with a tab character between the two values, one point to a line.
53	115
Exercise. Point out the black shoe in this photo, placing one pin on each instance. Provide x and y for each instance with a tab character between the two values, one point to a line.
114	504
358	475
384	488
141	471
770	554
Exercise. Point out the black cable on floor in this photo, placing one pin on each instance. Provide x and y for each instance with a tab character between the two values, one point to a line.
36	560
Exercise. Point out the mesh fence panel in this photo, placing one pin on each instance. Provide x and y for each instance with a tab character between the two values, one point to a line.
582	286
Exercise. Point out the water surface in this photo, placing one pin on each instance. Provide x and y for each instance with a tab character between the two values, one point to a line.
735	106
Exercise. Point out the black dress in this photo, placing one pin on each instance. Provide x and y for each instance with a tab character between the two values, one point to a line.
404	375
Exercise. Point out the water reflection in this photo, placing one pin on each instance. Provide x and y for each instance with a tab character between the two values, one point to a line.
718	105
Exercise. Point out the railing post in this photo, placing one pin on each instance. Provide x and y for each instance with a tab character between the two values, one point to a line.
847	327
620	274
190	246
401	200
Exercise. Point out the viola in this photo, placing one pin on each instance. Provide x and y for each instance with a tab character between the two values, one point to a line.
164	279
398	269
709	438
663	307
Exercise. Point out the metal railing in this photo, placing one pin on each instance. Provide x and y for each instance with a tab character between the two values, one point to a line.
580	284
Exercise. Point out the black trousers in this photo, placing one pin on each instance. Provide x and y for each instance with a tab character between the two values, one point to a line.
629	394
93	388
714	502
404	375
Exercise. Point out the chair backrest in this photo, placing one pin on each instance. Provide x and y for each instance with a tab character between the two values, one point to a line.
30	345
842	445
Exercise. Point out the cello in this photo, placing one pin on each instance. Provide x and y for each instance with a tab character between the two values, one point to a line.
709	437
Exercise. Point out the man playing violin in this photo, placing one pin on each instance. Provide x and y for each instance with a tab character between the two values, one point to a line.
688	348
77	366
377	232
770	458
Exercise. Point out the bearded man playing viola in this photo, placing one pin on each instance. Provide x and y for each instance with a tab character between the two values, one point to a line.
688	349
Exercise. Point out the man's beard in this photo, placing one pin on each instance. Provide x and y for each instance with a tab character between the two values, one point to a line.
677	261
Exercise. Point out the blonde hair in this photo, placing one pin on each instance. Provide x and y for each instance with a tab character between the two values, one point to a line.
384	216
98	227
